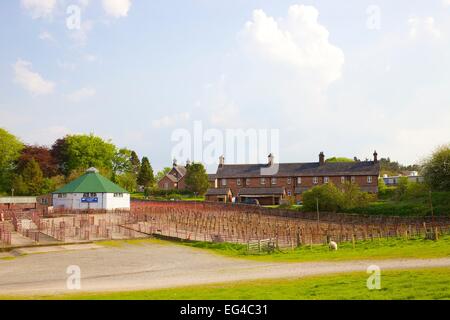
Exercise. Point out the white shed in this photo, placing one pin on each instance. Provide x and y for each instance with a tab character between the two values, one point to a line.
91	191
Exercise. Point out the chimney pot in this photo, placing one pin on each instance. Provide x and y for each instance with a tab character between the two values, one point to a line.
375	157
321	158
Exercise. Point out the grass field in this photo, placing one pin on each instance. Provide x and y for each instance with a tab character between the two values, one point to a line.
376	249
398	285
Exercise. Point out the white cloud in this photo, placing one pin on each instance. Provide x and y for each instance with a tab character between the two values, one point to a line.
171	120
299	41
80	36
31	81
39	8
446	3
81	94
46	36
116	8
423	27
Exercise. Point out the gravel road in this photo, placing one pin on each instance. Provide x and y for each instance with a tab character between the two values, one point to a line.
151	266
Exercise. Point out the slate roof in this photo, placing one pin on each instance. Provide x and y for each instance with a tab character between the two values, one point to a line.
91	182
212	176
181	170
301	169
261	191
217	191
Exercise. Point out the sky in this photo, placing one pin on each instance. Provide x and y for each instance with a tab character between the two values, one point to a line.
345	78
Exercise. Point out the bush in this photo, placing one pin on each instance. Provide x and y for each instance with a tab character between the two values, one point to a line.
332	199
328	196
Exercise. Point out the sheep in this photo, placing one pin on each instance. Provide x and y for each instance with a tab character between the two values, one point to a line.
332	245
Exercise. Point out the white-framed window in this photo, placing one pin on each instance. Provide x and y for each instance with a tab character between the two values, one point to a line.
118	195
238	181
247	181
263	180
353	179
315	180
273	180
369	179
326	179
62	195
299	180
288	180
342	179
224	182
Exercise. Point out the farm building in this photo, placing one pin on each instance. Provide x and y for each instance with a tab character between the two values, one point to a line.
91	191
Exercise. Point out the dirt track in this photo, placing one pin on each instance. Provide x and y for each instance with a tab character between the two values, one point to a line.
151	266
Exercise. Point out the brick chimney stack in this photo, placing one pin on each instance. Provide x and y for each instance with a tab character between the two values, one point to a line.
321	158
174	163
375	156
221	161
271	159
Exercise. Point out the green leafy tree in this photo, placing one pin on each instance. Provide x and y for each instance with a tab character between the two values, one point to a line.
436	169
10	148
339	159
196	178
127	181
402	188
19	186
84	151
328	196
146	177
33	177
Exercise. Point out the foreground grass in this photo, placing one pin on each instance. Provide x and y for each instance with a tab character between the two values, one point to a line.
376	249
398	285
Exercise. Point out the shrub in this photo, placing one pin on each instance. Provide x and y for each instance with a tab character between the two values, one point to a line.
328	196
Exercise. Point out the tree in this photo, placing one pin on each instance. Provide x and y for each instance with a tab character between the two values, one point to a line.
436	169
196	178
135	162
145	177
127	181
18	185
42	155
33	177
10	148
162	173
327	195
83	151
339	159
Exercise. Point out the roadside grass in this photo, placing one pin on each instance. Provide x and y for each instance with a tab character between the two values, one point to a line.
377	249
168	197
427	284
135	242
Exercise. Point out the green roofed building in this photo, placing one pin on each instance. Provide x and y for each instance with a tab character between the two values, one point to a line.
91	191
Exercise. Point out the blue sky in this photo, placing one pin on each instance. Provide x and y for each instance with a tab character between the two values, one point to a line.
344	78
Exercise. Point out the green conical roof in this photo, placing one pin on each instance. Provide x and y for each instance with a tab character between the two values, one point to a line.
91	181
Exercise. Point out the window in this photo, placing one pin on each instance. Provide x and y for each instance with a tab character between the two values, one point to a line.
247	182
224	182
369	179
166	185
62	195
288	180
342	179
263	180
289	193
326	179
85	195
118	195
299	180
273	180
238	182
315	180
352	179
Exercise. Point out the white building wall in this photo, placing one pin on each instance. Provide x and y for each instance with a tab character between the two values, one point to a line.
105	201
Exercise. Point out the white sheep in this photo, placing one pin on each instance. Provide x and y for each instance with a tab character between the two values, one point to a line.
333	245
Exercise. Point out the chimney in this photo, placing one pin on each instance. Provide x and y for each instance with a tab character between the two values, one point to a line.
375	157
321	158
271	159
174	163
188	163
221	161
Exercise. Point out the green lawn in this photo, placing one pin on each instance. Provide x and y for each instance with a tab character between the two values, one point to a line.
398	285
176	196
376	249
